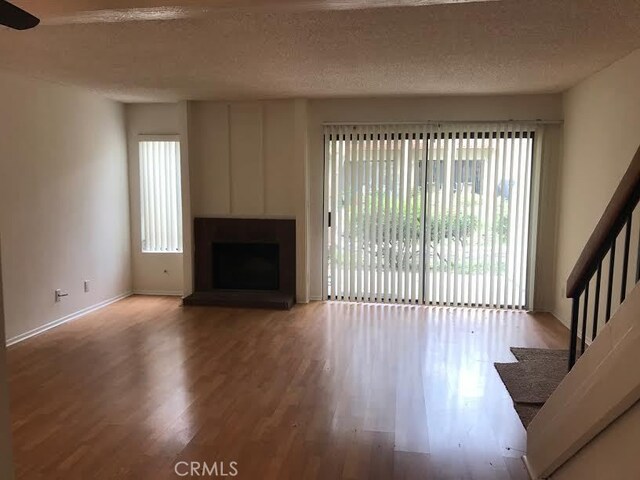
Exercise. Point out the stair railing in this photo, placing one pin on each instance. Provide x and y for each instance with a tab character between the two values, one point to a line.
618	216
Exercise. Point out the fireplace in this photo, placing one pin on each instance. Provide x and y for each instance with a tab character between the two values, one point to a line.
244	262
246	266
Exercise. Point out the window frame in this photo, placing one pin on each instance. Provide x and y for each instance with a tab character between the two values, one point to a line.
157	138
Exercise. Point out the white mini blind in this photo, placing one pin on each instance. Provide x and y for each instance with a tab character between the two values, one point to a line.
160	195
437	213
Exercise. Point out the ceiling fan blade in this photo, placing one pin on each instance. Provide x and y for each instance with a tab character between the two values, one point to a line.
16	18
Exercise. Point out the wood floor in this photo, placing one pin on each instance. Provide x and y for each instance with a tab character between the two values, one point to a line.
324	391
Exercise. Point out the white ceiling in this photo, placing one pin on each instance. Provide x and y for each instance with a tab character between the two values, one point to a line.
318	48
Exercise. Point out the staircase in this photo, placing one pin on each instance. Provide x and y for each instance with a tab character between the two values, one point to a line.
602	244
595	401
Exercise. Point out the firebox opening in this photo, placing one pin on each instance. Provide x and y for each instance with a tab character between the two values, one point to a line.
246	266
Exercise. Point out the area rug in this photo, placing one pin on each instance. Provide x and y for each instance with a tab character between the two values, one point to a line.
532	380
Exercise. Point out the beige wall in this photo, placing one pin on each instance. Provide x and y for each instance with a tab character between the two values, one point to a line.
6	460
249	159
64	214
548	198
601	135
156	273
523	107
612	454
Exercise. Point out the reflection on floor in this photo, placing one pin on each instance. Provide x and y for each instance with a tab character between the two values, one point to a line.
324	391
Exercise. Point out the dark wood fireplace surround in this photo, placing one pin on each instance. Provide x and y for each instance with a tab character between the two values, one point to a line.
243	230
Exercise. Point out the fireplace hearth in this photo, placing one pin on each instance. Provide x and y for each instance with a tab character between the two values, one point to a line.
244	262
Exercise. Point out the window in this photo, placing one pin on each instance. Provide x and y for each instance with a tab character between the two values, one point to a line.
441	214
463	174
160	195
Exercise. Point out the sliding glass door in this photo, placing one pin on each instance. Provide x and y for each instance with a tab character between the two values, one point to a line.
435	214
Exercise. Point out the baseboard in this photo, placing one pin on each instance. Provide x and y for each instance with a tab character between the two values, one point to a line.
65	319
566	324
169	293
314	298
587	340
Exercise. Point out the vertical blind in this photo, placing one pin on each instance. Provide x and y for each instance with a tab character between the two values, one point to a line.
436	214
160	196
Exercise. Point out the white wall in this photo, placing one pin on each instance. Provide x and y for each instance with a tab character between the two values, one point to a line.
523	107
249	159
152	272
265	159
601	135
64	213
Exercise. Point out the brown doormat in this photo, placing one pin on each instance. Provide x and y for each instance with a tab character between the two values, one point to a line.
526	412
532	379
524	354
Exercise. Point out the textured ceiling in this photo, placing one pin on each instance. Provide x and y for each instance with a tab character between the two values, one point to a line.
502	47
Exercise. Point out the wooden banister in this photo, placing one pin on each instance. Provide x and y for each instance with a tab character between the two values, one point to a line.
607	229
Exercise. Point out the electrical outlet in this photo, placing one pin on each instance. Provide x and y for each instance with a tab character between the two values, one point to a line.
86	286
59	294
